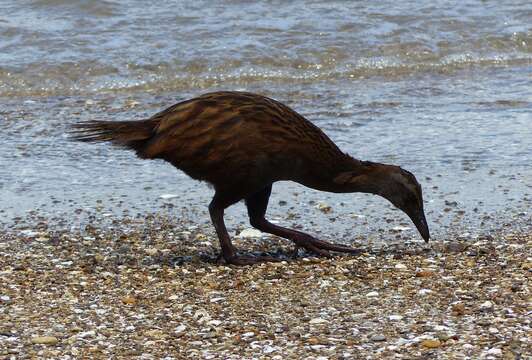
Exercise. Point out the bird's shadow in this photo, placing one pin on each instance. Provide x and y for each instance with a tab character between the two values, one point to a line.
289	256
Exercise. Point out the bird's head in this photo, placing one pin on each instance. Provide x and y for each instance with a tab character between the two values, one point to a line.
395	184
405	193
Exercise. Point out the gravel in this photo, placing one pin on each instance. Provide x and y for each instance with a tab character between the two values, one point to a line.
155	289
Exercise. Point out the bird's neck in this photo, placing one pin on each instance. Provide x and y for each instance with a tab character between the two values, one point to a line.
358	176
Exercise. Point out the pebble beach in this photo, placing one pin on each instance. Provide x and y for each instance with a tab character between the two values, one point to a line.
106	256
158	291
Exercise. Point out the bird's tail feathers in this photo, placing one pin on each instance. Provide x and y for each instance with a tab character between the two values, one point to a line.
129	134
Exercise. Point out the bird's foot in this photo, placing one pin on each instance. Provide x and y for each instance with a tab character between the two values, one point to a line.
242	260
320	247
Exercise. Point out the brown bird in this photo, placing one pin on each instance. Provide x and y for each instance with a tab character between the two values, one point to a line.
242	143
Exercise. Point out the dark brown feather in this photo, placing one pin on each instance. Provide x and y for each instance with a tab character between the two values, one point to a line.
223	137
129	134
242	143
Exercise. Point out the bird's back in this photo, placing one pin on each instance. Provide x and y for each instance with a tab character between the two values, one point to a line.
224	135
230	139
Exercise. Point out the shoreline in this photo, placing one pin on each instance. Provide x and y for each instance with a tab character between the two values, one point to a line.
155	289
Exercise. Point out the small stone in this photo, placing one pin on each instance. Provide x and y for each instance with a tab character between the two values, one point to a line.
443	336
131	103
250	233
200	237
151	251
324	208
155	333
424	273
372	294
401	228
29	233
424	292
268	349
357	216
209	335
431	343
395	317
493	330
494	352
214	322
317	347
313	341
86	334
458	309
168	196
180	330
378	337
455	247
316	321
45	340
202	316
487	305
400	267
129	300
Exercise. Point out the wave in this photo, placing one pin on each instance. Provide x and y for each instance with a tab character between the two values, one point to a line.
86	78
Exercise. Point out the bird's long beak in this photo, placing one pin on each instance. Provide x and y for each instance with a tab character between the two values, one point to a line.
421	224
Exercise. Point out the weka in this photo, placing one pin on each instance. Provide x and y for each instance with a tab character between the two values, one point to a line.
242	143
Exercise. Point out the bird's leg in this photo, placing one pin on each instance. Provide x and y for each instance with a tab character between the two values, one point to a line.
229	253
257	204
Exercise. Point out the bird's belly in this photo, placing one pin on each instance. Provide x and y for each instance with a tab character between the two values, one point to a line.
235	170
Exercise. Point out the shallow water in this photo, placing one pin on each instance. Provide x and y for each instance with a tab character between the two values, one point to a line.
443	90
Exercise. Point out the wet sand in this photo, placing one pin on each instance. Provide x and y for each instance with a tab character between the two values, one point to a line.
152	288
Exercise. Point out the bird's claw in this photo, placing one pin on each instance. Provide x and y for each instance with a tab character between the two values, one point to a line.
321	248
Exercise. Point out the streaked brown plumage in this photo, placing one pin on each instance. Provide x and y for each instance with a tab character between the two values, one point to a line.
242	143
